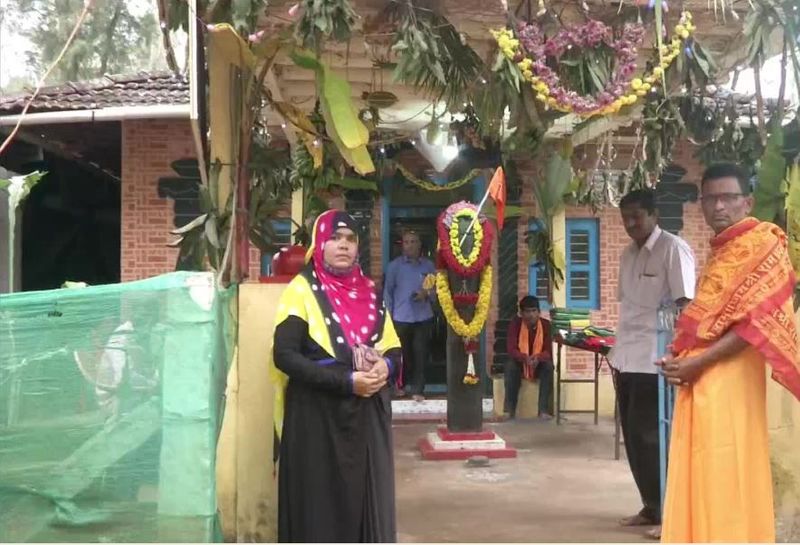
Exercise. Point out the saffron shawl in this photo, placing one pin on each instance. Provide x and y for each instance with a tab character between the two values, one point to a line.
747	287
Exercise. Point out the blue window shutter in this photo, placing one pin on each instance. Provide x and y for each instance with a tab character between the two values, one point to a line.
283	231
583	263
283	237
538	279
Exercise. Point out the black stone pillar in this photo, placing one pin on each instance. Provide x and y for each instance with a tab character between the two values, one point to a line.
464	401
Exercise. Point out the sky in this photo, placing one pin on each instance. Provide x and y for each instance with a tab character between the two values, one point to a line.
13	46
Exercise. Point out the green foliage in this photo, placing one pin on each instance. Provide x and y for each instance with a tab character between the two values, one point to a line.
432	56
719	137
113	39
324	18
557	178
759	25
342	123
332	172
694	70
662	126
769	192
587	71
244	15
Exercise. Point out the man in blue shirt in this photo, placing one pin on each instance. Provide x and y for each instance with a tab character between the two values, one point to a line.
410	307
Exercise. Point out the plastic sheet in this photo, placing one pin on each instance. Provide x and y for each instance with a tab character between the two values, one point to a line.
111	401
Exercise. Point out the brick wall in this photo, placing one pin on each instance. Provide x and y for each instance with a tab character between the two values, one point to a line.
148	149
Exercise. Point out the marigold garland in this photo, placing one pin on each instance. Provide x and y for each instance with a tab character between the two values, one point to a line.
621	91
475	326
449	249
468	214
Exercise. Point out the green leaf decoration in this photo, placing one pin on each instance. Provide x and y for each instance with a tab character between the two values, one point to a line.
342	123
771	172
348	182
550	193
335	94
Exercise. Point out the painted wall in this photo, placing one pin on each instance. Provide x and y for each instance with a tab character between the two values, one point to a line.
5	226
246	487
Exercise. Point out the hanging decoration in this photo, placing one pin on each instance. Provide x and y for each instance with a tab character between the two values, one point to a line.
428	185
531	49
463	256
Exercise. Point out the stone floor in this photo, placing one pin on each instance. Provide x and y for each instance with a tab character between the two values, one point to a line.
564	486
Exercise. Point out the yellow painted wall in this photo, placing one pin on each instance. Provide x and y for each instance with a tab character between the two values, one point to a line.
573	397
246	488
783	411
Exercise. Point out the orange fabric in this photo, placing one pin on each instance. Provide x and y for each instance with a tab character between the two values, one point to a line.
525	348
747	286
719	485
497	191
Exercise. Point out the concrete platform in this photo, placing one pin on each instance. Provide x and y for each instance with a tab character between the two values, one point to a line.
445	446
564	486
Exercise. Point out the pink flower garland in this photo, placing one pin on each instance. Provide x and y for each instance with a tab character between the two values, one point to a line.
586	36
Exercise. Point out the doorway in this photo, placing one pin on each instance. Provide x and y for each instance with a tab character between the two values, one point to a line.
70	227
409	207
425	227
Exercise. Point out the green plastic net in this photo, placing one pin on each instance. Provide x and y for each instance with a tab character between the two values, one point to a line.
111	402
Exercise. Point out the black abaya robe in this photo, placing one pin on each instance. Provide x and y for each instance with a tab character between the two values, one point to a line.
336	465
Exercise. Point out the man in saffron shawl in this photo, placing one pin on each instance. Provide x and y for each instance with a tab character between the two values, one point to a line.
334	350
528	347
719	486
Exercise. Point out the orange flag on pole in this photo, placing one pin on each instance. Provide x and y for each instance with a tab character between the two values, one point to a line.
497	191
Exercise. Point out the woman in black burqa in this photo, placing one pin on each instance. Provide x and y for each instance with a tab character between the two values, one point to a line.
335	351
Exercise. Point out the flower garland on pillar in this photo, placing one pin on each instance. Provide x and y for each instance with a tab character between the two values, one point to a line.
452	258
531	49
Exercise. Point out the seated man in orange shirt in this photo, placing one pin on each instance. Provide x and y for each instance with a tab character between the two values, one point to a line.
528	345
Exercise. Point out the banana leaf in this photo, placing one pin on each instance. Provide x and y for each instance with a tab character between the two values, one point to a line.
225	39
771	171
342	124
348	182
336	98
793	217
558	176
313	147
359	157
295	116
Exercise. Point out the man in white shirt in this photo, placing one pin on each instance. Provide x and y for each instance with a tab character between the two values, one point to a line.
657	269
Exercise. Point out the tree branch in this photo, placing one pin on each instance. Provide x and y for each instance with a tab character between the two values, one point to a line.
762	129
163	18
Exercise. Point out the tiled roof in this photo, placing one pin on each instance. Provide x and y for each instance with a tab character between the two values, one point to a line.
142	89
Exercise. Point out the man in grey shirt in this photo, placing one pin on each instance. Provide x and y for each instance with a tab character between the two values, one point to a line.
656	269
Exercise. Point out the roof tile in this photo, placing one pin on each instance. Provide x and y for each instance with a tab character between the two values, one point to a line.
141	89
